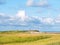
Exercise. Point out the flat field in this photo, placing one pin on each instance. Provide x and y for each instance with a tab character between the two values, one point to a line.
27	38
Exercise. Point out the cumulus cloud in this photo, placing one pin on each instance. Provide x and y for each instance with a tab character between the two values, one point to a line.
45	20
48	20
21	19
40	3
21	14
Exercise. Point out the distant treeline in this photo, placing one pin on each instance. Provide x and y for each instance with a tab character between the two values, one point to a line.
19	31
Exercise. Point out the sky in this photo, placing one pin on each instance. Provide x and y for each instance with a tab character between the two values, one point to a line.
43	15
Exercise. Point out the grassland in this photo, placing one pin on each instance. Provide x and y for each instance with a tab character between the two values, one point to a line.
27	38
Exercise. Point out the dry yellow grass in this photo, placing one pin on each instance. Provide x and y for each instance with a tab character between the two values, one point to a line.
54	38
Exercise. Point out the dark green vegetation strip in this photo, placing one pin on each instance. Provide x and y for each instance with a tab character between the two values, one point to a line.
18	31
10	32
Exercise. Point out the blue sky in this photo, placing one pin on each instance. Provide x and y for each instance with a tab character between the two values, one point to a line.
11	7
30	14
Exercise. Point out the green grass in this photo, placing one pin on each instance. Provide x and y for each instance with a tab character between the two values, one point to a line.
26	38
15	39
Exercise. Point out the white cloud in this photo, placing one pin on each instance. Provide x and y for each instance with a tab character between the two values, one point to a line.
41	3
48	20
22	19
45	20
12	18
57	19
2	14
37	17
29	2
21	14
